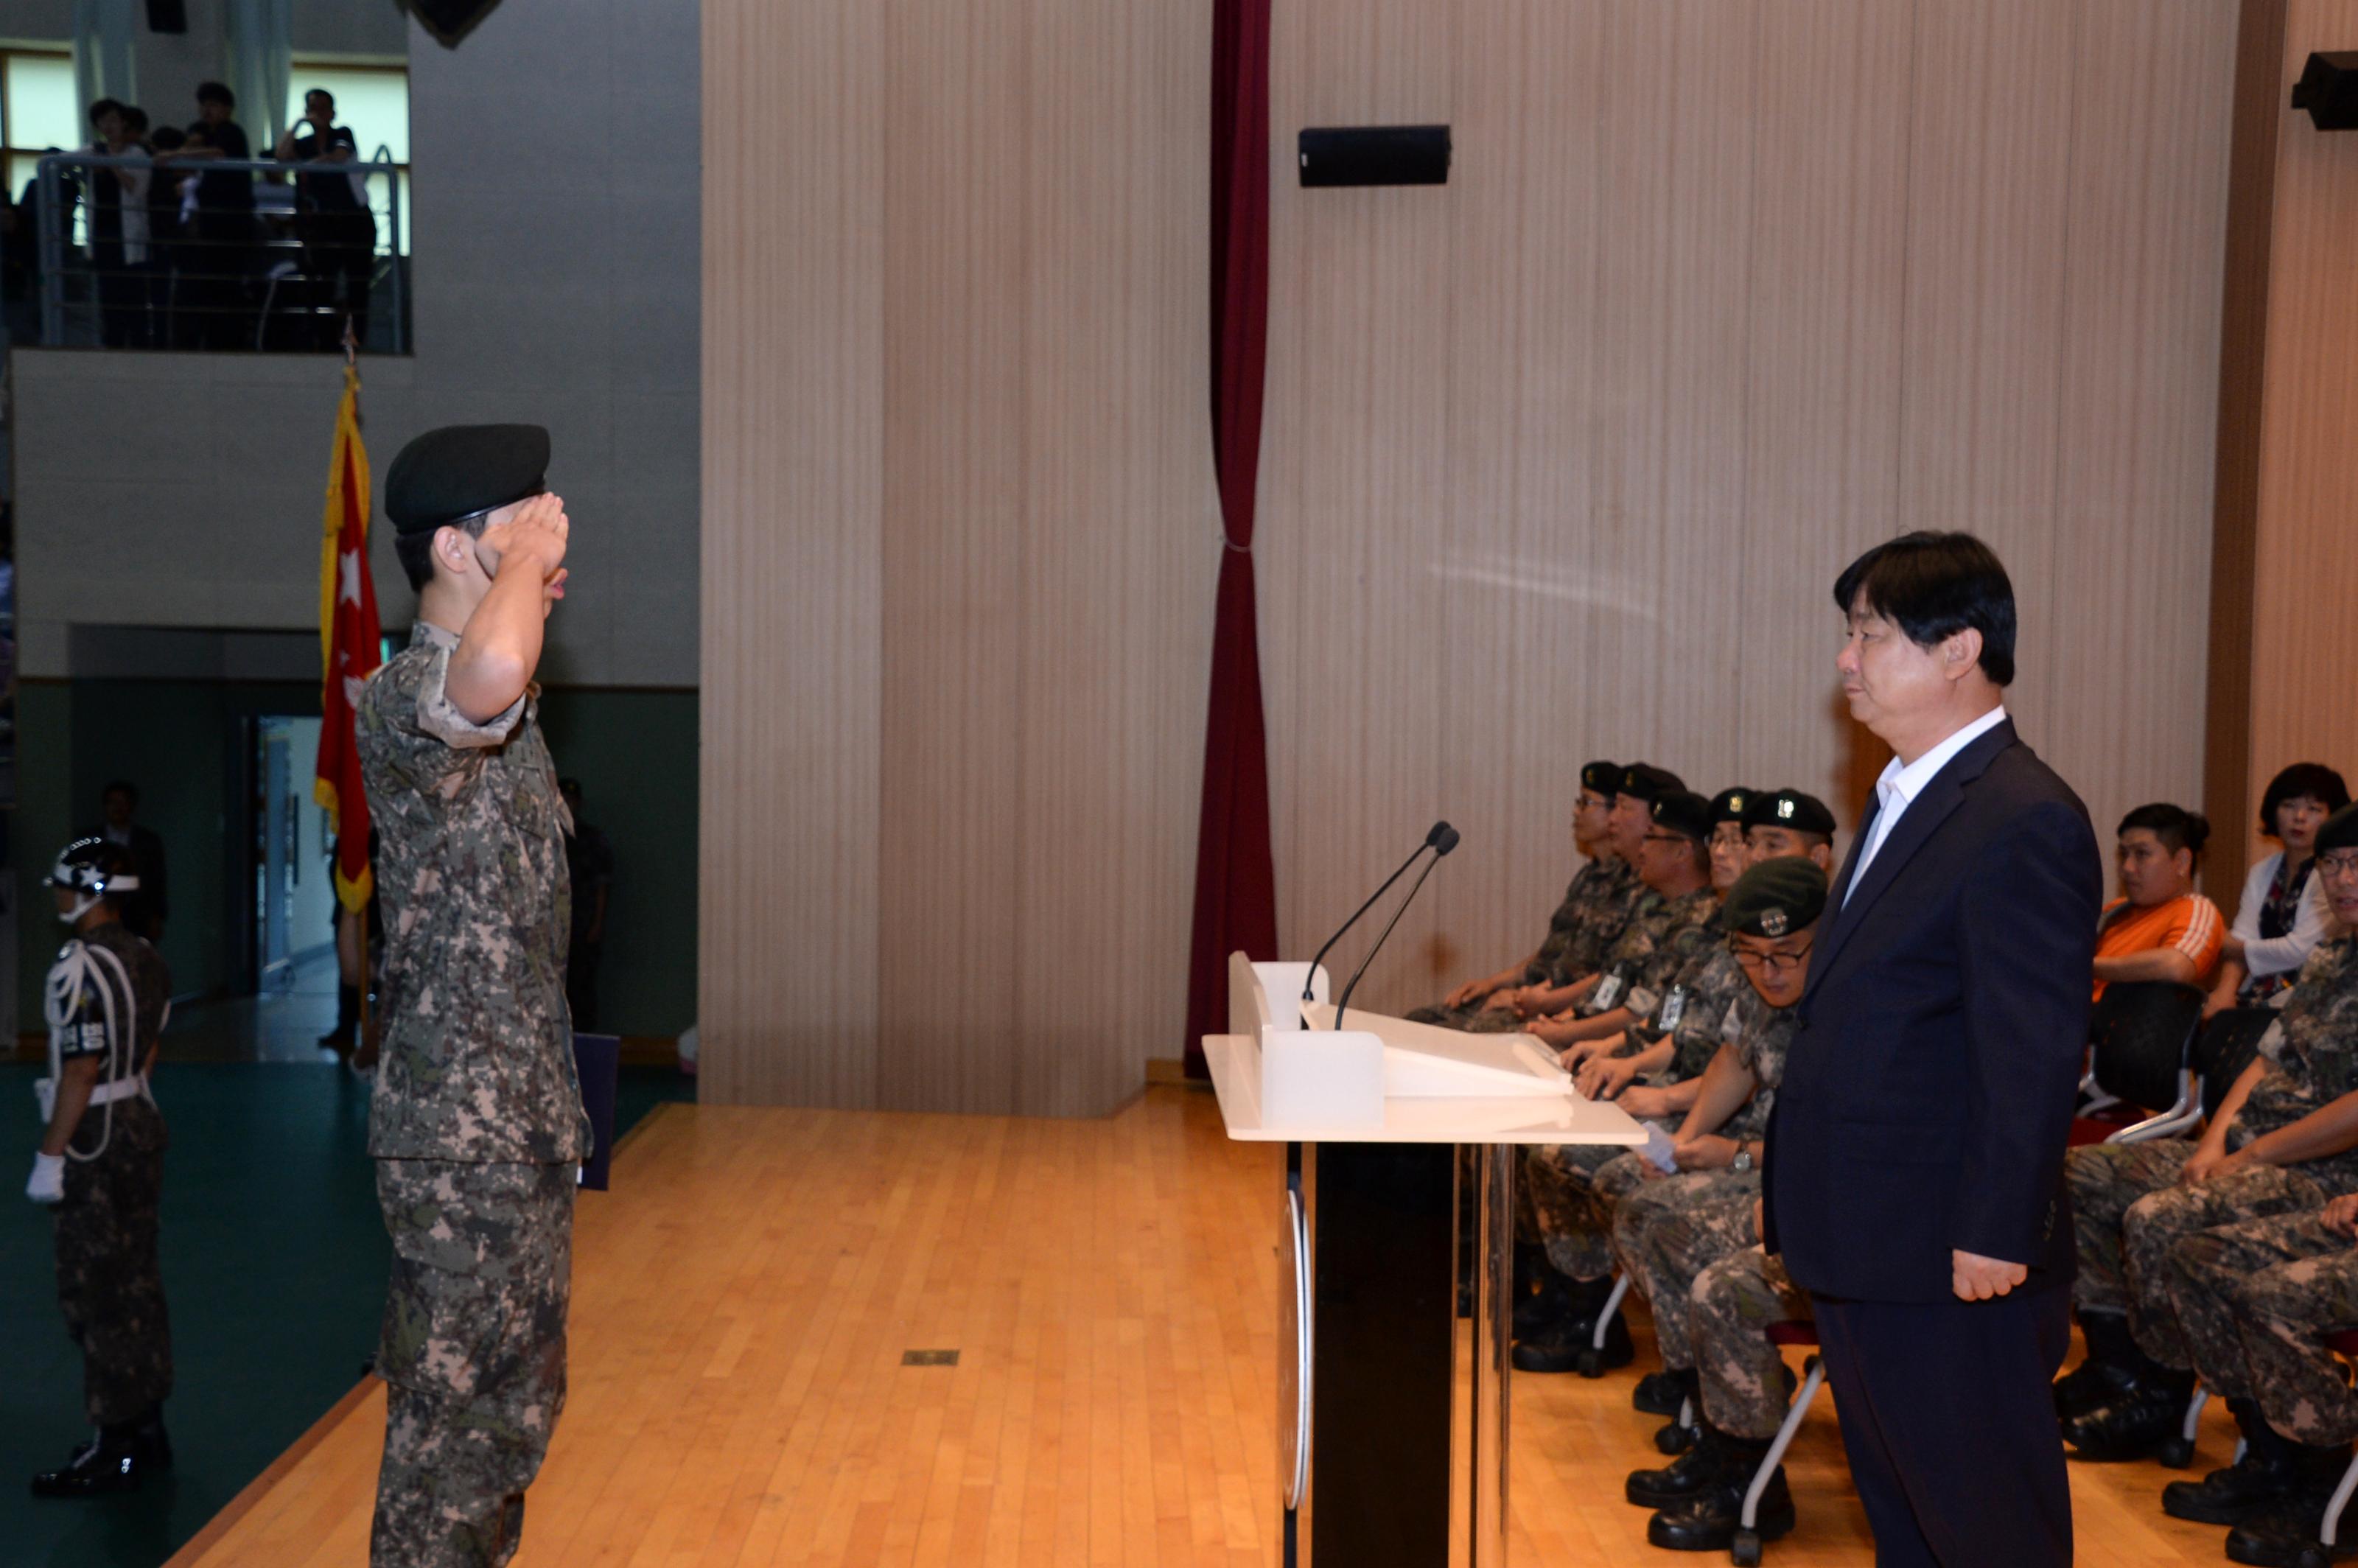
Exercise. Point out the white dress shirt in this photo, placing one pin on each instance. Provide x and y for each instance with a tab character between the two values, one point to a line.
1897	787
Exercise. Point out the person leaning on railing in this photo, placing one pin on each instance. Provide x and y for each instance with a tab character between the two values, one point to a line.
331	218
220	250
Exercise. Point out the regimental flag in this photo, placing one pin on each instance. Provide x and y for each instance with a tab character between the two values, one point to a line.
351	648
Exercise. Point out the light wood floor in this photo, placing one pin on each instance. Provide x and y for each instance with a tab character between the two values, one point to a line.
743	1300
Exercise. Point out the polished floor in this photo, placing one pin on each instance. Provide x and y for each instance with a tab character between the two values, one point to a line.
745	1295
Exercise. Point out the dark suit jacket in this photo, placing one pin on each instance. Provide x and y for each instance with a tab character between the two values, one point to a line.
1927	1092
151	903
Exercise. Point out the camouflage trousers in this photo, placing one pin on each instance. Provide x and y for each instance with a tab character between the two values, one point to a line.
473	1350
109	1285
1742	1374
1669	1231
2255	1300
1567	1197
2129	1209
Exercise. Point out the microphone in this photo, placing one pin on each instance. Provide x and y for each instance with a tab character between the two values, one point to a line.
1442	838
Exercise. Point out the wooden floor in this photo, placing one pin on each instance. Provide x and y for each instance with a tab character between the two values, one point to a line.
743	1298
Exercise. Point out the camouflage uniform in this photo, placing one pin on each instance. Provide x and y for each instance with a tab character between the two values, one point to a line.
2256	1302
2128	1206
110	1284
477	1124
1594	909
1729	1310
1671	1230
1570	1202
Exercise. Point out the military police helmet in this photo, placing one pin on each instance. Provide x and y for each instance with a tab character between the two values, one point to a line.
95	868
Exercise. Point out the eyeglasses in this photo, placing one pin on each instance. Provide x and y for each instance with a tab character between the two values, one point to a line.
2340	863
1774	963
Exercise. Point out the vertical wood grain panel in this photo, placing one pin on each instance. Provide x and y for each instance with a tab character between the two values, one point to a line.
787	902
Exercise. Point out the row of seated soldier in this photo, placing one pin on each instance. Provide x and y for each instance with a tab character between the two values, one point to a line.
2215	1228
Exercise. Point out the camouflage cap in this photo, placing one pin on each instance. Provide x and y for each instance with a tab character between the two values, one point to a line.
1605	778
1789	809
1776	897
1728	805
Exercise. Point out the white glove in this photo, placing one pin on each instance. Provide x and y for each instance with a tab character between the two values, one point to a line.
48	1181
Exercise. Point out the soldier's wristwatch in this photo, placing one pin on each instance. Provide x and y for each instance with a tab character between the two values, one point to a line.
1743	1161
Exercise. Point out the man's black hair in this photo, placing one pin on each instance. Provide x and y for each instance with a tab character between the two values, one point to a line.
102	107
1933	586
216	92
312	92
123	788
415	551
135	119
2314	780
2176	827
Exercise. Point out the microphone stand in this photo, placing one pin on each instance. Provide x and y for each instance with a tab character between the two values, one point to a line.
1309	981
1345	1004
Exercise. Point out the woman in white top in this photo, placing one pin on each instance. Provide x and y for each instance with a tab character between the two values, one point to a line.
2282	916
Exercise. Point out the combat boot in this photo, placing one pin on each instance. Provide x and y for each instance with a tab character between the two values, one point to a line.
2135	1423
1570	1345
2264	1472
1689	1474
2107	1370
1712	1518
1542	1296
1665	1392
2284	1533
110	1462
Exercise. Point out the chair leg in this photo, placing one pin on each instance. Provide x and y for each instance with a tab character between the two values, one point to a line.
2340	1500
1815	1374
1612	1305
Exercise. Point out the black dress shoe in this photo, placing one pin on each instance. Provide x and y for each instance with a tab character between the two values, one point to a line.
1571	1347
1665	1392
110	1462
1713	1520
2135	1426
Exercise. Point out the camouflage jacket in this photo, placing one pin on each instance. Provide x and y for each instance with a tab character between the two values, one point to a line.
1707	1004
2311	1051
1594	909
1663	933
1761	1047
477	1061
102	1019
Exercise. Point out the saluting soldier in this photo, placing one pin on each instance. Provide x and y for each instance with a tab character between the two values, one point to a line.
101	1163
477	1127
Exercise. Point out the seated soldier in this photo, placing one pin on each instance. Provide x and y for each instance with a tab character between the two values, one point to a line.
1594	909
1627	824
2159	928
2285	1138
1714	1091
2257	1299
1567	1215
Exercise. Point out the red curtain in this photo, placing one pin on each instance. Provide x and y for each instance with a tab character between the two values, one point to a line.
1235	879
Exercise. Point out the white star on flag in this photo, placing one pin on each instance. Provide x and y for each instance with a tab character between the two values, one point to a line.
352	688
349	565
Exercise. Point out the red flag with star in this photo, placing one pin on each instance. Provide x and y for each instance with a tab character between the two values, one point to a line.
351	648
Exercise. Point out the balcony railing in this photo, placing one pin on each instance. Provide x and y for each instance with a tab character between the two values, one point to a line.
235	256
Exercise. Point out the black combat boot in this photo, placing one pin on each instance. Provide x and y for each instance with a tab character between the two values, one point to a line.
1689	1474
1712	1518
1665	1392
348	1022
110	1462
2106	1372
1542	1296
2264	1472
2284	1533
1571	1344
2136	1423
154	1443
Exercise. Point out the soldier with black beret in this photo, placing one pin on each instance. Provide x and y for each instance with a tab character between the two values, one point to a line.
476	1126
1727	835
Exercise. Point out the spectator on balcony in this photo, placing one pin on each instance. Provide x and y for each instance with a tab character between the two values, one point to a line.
117	199
331	218
219	238
166	224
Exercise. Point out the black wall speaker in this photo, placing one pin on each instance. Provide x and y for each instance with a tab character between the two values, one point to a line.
2328	89
168	16
1376	154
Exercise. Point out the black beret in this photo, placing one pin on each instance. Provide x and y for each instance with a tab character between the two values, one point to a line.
2340	832
1683	811
1605	778
460	469
1645	781
1728	805
1789	809
1776	897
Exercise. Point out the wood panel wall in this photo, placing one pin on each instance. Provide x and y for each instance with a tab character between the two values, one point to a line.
1564	457
1560	461
2286	522
960	533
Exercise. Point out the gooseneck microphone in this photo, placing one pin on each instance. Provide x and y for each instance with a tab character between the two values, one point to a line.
1443	837
1440	841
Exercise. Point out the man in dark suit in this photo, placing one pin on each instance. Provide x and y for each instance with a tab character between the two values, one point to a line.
1915	1155
143	912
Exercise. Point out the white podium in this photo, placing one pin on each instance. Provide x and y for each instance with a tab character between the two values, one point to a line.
1389	1452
